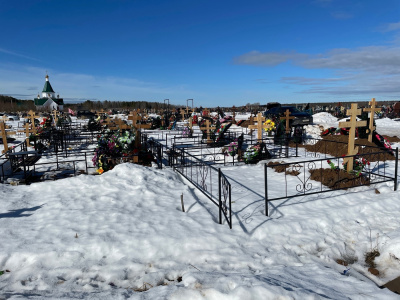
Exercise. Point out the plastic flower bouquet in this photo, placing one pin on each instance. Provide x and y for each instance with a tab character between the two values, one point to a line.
269	126
112	145
358	165
232	149
252	153
187	132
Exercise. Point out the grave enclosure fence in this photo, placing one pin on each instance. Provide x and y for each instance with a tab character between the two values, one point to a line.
209	180
298	176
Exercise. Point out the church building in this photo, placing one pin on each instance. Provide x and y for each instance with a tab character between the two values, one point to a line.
49	101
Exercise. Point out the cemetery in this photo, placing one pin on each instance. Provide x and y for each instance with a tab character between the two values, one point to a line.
234	160
59	147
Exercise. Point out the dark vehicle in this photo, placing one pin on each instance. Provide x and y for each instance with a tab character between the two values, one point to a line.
85	114
301	118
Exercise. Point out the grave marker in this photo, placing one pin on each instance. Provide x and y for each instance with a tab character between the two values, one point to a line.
208	129
28	131
183	114
32	115
4	134
134	117
260	119
287	118
353	123
372	109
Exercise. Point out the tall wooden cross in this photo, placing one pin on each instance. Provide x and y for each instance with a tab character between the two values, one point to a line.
134	117
32	115
183	114
287	118
190	122
4	135
251	122
353	113
55	117
260	119
372	111
29	128
208	129
121	124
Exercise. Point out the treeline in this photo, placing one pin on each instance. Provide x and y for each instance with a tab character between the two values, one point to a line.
119	105
11	104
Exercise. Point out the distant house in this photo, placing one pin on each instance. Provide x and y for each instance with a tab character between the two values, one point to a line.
49	101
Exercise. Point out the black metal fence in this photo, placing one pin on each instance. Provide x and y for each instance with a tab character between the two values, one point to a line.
209	180
298	177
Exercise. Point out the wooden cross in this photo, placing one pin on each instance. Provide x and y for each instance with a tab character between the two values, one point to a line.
190	122
233	114
29	128
251	122
121	124
55	117
287	117
260	119
183	114
101	112
208	129
4	135
134	117
353	113
372	111
32	115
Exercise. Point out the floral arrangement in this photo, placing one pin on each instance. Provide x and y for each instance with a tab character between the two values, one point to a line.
172	122
332	165
232	148
112	145
269	125
187	132
358	165
220	131
41	128
252	153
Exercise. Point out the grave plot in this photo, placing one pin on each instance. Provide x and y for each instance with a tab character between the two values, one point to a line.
357	166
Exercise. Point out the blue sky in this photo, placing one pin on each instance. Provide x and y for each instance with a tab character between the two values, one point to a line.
215	52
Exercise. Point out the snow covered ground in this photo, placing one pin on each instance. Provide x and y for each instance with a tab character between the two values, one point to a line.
122	235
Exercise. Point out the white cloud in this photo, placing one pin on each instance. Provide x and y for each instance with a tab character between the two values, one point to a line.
257	58
20	80
365	70
390	27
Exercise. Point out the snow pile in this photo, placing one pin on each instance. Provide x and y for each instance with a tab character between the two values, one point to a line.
110	235
325	120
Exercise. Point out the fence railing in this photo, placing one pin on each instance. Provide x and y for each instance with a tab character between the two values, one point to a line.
301	177
209	180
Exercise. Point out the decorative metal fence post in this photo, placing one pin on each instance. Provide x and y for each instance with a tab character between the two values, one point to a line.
266	188
396	165
219	196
